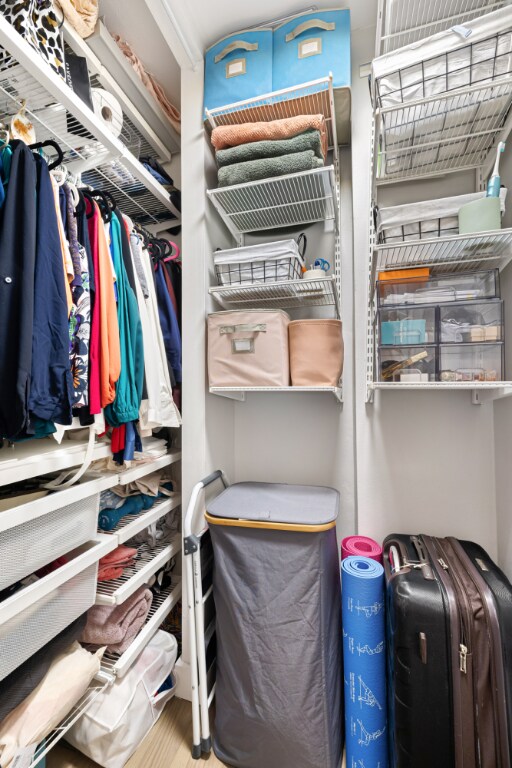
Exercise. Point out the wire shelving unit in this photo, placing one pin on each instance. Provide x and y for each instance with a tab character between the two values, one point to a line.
290	294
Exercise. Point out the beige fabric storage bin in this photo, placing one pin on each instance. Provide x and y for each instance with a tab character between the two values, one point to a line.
248	348
316	353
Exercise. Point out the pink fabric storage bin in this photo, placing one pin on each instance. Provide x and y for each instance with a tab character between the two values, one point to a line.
248	348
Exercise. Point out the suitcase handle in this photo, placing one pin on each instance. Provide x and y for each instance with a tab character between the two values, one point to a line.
311	24
235	46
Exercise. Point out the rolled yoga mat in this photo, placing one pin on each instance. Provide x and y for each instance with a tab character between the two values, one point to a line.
364	660
361	546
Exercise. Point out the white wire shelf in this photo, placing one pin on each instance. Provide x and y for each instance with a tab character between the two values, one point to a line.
238	393
87	700
20	461
115	74
481	391
405	21
130	525
140	469
443	133
147	564
297	198
457	253
118	664
313	98
285	294
89	146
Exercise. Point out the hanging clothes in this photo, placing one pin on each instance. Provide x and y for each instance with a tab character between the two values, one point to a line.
105	350
65	254
126	404
18	217
157	408
169	323
81	335
51	388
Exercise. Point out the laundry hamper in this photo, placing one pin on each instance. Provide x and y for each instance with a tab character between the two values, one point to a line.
279	641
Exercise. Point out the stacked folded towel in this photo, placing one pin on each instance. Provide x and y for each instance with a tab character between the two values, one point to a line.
255	151
112	565
117	626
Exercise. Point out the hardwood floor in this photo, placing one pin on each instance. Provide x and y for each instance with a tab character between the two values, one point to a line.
167	746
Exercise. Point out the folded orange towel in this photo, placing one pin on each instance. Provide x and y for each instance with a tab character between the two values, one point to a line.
232	135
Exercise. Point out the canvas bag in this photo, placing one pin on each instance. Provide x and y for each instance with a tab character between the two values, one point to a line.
316	353
37	22
124	713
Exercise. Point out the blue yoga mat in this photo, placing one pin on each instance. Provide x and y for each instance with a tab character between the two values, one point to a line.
364	660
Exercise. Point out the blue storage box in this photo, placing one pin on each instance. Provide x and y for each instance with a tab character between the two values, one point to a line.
238	67
309	47
403	332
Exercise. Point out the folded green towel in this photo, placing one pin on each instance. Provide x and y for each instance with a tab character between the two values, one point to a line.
256	150
268	167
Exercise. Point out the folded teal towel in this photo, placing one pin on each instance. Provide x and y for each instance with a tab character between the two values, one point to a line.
257	150
268	167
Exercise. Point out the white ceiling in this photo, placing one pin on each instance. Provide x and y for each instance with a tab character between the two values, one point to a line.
212	19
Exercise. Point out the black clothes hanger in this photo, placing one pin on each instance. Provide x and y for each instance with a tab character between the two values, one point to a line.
87	196
104	204
55	146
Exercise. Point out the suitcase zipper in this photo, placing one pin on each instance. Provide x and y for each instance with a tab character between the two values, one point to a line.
462	713
498	690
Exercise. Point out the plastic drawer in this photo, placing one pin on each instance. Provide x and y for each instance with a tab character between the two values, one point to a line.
34	534
464	286
410	364
34	615
471	362
407	325
479	321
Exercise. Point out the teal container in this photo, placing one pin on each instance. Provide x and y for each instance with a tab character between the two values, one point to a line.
395	332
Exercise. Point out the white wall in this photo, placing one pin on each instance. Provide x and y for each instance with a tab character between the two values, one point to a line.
424	460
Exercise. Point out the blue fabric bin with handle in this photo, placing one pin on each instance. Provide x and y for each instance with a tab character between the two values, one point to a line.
238	67
309	47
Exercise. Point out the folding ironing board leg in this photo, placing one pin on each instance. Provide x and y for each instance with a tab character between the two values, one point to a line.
196	715
206	741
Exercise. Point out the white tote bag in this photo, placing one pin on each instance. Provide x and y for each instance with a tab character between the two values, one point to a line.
123	714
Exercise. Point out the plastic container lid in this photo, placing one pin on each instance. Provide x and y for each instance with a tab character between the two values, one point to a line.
277	503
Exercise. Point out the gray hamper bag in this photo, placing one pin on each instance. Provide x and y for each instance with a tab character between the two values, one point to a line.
279	641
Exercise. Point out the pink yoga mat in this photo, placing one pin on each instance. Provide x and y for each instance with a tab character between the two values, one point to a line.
362	546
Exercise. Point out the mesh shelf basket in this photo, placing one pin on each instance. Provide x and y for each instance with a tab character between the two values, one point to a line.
26	547
425	220
262	263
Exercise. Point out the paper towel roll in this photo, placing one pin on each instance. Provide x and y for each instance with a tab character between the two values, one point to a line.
364	661
362	546
108	109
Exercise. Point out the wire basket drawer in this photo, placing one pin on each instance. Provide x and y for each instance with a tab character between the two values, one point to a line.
262	263
38	621
426	220
30	545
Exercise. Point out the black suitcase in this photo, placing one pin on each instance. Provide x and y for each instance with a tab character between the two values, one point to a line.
449	641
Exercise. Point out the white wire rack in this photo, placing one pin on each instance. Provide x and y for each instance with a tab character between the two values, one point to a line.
297	198
285	295
141	468
130	525
238	393
88	145
313	98
118	664
401	22
148	562
481	392
442	134
75	714
458	253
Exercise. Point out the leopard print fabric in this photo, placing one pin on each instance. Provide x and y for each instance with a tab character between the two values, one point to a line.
37	22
